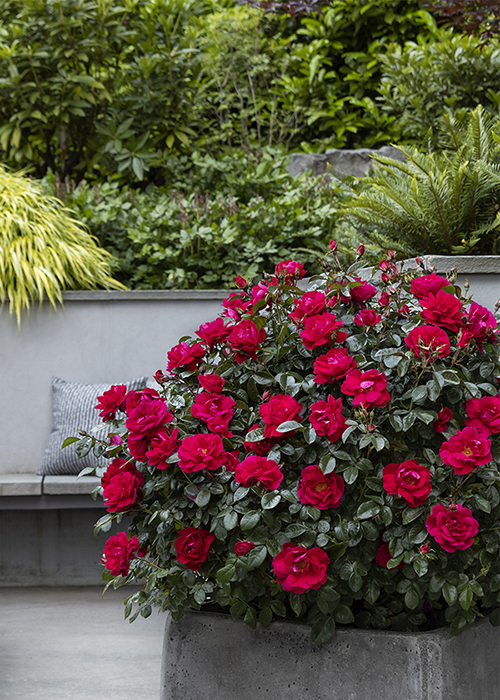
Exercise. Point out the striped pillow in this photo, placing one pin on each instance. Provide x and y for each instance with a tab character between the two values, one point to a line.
73	409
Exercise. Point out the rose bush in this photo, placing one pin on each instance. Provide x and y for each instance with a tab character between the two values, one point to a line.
328	456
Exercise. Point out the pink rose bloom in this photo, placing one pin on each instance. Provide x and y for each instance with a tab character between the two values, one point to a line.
334	365
260	447
444	417
201	451
279	409
383	555
480	325
112	401
215	410
429	341
421	287
309	304
138	445
322	329
234	306
162	446
232	460
189	357
289	271
245	339
211	382
362	292
368	388
299	569
484	414
410	480
134	398
147	417
320	490
259	291
193	546
442	309
214	332
466	450
327	419
367	317
240	282
242	548
255	469
384	300
453	528
118	552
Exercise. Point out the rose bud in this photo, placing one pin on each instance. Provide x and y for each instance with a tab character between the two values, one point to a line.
240	282
333	246
360	251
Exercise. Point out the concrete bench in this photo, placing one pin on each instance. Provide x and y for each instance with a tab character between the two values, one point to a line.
50	522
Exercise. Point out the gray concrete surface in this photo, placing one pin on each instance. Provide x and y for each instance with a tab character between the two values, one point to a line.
209	656
74	644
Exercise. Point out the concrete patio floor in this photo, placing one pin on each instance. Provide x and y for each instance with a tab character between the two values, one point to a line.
74	644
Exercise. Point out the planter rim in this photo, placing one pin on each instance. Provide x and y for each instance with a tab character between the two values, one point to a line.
342	629
465	264
144	294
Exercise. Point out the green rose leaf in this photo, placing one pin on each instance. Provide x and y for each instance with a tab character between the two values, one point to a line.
323	630
270	500
288	425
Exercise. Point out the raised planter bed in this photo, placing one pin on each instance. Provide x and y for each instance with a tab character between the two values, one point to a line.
209	656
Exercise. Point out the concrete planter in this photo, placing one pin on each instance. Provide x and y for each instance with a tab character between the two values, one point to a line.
209	656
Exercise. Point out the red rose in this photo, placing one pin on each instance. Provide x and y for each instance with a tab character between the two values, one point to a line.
160	377
320	490
215	410
289	271
410	480
442	309
213	332
147	417
279	409
231	460
111	401
444	417
362	291
466	450
334	365
429	341
242	548
367	317
384	300
327	419
245	339
428	284
299	569
201	451
322	329
118	551
265	472
383	555
240	282
484	414
480	325
121	485
187	356
162	446
138	445
134	398
260	447
309	304
259	291
192	546
453	528
234	306
211	382
368	388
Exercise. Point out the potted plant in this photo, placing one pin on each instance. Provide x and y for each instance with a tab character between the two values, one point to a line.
328	457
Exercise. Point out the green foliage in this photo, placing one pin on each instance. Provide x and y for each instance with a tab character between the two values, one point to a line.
439	203
420	584
443	73
97	87
232	216
44	250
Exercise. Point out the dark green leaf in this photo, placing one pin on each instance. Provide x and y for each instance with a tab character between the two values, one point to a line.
323	630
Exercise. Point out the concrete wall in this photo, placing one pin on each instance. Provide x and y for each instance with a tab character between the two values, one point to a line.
97	337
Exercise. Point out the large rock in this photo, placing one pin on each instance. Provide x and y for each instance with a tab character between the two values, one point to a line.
342	161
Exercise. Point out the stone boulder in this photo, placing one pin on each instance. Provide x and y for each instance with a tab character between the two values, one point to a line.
342	161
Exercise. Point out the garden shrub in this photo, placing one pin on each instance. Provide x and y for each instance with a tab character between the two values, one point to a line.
192	237
329	456
443	73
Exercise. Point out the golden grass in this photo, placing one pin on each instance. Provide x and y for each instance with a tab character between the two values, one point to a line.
43	249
